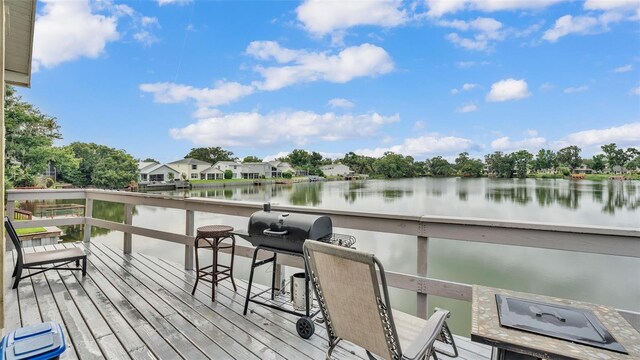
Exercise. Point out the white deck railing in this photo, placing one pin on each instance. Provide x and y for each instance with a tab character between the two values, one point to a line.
589	239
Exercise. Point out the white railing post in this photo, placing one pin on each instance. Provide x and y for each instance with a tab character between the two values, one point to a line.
11	209
128	220
422	257
188	248
88	214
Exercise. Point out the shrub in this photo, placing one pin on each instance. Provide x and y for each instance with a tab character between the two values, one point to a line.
565	171
228	174
287	175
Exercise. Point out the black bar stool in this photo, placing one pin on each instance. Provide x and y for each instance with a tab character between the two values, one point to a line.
211	237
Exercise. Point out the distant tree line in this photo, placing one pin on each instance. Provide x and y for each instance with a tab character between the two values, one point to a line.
390	165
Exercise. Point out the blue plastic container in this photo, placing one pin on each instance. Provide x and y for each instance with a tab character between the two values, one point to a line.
35	342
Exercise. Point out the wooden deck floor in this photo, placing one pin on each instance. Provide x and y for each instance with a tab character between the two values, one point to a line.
140	307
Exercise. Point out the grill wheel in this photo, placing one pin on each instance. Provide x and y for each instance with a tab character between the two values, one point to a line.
305	327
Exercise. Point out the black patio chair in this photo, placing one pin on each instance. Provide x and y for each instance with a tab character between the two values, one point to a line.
58	258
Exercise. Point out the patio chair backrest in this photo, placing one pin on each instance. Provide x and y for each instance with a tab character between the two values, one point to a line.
14	238
354	302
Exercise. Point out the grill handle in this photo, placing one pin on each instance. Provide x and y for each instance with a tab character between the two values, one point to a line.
275	233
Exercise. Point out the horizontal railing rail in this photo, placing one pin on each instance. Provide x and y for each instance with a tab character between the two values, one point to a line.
588	239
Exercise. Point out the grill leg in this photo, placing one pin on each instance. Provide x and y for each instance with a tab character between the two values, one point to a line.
84	266
253	266
273	276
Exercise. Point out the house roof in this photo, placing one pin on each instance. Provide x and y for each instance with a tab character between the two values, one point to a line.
144	164
19	23
211	169
190	161
227	163
151	169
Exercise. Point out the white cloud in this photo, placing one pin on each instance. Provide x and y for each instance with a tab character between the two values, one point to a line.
624	135
427	145
623	69
611	4
438	8
487	30
145	37
321	17
571	25
506	144
509	89
68	30
576	89
341	103
223	93
531	133
635	91
471	64
350	63
169	2
465	87
271	50
297	128
467	108
281	154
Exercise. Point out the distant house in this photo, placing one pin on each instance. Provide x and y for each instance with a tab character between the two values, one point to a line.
190	167
235	167
211	173
583	169
143	167
255	170
336	170
280	167
158	173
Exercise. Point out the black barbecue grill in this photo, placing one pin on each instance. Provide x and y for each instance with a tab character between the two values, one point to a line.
285	233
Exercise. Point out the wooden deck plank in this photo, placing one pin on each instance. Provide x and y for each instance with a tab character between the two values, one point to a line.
123	319
186	341
243	329
141	307
285	323
104	336
233	311
46	308
11	304
177	301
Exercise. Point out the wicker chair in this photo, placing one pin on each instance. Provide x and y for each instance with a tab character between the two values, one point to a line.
57	258
355	305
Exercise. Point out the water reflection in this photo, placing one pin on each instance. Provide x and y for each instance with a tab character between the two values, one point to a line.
306	194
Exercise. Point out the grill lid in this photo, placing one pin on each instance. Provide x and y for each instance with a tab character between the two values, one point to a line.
557	321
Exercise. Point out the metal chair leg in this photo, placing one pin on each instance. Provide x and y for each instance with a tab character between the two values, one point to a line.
233	255
18	272
197	267
84	267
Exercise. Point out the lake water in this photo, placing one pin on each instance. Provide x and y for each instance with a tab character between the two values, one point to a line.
603	279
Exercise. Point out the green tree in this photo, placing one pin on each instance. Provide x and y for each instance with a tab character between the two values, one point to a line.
392	165
359	164
101	166
521	162
633	161
228	174
545	160
439	166
615	156
29	141
500	164
468	167
570	157
251	159
211	154
150	160
598	162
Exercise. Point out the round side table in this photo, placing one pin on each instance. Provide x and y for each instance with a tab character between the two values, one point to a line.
211	237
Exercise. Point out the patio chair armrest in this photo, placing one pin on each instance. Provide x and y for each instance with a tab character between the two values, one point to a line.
427	336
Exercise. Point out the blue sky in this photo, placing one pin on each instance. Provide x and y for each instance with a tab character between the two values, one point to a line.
421	78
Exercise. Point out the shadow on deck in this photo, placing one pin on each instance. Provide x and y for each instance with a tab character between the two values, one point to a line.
140	307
